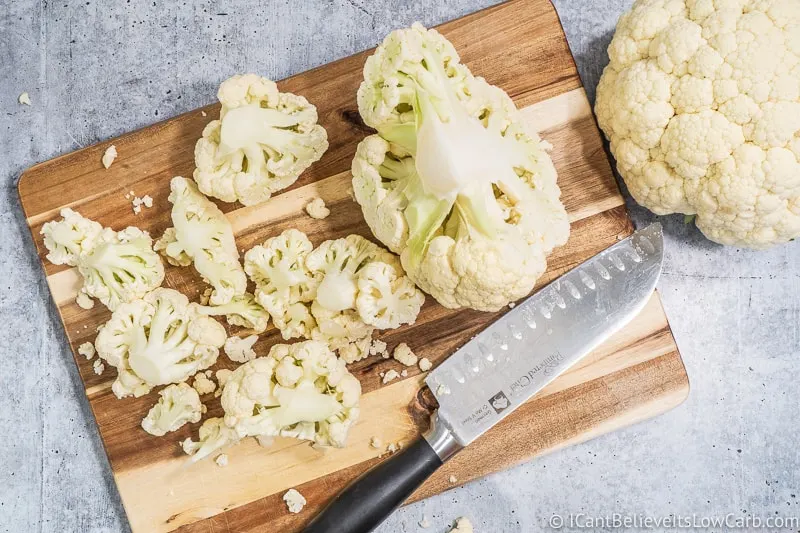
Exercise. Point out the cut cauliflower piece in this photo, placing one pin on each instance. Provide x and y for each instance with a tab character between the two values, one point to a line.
243	311
203	233
403	354
386	300
284	285
157	340
300	390
177	405
120	267
87	350
263	141
203	384
214	435
109	156
83	300
462	525
701	106
294	501
176	256
316	209
240	350
69	238
454	181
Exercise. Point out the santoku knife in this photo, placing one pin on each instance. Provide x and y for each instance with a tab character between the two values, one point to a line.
502	367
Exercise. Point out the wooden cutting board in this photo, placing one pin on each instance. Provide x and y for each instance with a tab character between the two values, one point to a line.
638	373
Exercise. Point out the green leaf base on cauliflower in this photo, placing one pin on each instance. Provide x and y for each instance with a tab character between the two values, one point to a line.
177	405
157	340
701	106
203	233
263	141
243	311
454	182
116	267
300	390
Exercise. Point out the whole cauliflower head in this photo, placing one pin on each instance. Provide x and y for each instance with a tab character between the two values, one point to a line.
177	405
300	390
204	234
454	181
262	142
284	285
157	340
69	238
701	105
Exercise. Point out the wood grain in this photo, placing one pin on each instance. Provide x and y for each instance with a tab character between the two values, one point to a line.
636	374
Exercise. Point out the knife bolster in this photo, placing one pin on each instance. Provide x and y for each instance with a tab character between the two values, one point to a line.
441	439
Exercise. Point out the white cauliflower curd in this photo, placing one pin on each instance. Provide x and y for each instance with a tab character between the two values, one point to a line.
116	266
701	105
243	311
203	235
262	142
177	405
300	390
454	181
157	340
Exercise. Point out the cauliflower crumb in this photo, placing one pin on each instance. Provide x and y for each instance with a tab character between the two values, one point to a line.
203	114
203	385
378	347
453	479
206	296
394	447
264	441
84	301
294	501
109	156
424	524
425	364
240	350
404	373
390	375
442	389
463	525
98	366
87	350
25	99
404	354
316	209
376	443
222	459
512	305
146	201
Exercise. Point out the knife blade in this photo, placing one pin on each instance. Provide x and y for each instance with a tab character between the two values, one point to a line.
503	367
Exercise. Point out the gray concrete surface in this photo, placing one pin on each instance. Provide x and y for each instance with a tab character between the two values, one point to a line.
97	69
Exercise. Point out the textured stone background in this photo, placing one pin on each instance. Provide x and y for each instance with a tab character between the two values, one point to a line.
96	69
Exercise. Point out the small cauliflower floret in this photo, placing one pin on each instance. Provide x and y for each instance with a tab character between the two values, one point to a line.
243	311
202	384
120	267
425	364
83	300
386	300
463	525
294	501
403	354
701	107
203	233
157	340
213	436
316	209
300	390
284	285
455	182
262	142
69	238
177	405
222	459
109	156
240	350
343	331
87	350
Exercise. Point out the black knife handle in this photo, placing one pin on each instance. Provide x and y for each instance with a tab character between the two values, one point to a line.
366	503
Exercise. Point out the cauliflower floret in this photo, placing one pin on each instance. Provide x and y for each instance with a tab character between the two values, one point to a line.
243	311
385	300
316	209
177	405
83	300
240	350
157	340
300	390
87	350
69	238
263	141
284	285
203	384
213	436
294	501
404	354
702	110
203	233
454	181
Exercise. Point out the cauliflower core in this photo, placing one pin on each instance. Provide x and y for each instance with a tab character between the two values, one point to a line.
157	340
702	110
177	405
263	141
300	390
116	267
203	235
453	182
